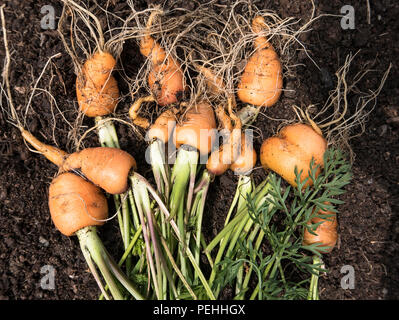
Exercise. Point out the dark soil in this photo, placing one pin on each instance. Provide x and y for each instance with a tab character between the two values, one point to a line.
368	221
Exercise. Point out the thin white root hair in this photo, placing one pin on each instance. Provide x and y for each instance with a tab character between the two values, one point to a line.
335	121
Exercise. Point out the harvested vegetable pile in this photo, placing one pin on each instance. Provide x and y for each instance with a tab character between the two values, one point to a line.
203	92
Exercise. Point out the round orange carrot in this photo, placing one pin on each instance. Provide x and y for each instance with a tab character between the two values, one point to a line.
325	233
262	79
293	147
96	89
198	128
220	160
165	79
246	159
76	203
108	168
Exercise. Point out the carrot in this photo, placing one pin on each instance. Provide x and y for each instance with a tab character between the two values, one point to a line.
326	233
307	138
96	89
76	207
194	135
220	160
76	203
262	80
246	160
106	167
294	146
166	77
198	128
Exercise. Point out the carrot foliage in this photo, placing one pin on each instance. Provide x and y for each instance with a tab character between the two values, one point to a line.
262	262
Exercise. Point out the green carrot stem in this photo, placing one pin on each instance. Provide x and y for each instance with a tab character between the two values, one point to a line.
136	219
199	215
94	272
117	272
203	245
189	254
145	200
90	241
160	168
176	268
225	231
244	189
313	288
186	160
136	186
265	273
240	276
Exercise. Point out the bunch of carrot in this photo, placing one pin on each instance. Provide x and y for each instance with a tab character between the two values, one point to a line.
170	225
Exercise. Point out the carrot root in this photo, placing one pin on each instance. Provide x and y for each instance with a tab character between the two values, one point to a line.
55	155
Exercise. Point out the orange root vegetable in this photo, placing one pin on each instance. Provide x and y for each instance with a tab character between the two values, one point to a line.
262	79
106	167
77	206
166	79
326	232
76	203
220	160
247	158
198	128
294	146
163	126
96	89
306	138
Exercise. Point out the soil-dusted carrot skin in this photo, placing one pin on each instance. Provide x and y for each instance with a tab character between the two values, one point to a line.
293	147
247	158
198	128
262	79
326	232
99	67
76	203
305	137
163	126
107	168
165	79
96	89
166	82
